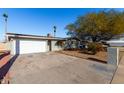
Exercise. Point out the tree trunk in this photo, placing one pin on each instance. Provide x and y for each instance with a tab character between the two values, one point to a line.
94	38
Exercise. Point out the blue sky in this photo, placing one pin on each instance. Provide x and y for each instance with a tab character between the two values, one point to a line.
41	21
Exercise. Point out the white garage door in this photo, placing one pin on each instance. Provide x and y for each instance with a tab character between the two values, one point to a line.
29	46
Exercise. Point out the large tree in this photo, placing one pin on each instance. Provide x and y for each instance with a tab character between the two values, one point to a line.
99	26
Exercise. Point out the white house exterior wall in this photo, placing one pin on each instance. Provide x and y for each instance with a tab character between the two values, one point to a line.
55	47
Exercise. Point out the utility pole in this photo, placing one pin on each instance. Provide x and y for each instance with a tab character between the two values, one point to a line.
54	27
5	16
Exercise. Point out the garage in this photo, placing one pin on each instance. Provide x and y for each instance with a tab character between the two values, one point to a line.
28	46
25	44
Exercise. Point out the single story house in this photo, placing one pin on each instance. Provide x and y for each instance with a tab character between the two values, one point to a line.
117	40
23	43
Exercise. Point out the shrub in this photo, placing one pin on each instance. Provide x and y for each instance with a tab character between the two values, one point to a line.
95	47
60	43
92	48
99	47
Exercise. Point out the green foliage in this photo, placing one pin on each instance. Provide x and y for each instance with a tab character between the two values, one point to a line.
100	26
95	47
60	43
72	29
92	48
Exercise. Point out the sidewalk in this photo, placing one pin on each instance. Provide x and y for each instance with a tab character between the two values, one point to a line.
119	74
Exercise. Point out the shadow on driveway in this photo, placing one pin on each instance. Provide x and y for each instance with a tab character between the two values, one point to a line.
4	69
97	60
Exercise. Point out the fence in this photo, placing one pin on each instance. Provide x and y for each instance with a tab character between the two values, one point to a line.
115	54
5	46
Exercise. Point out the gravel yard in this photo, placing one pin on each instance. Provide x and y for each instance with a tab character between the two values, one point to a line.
99	57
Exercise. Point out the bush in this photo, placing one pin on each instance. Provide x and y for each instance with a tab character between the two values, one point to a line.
60	43
95	47
99	47
92	48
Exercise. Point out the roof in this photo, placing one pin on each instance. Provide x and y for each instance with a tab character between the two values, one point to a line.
69	38
75	38
27	36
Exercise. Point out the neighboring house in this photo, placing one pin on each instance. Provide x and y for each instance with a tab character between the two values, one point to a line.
23	43
117	41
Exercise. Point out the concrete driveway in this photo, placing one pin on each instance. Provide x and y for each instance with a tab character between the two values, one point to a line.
55	68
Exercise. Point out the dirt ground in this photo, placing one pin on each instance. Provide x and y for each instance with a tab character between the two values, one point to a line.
119	74
2	46
99	57
56	68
